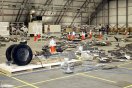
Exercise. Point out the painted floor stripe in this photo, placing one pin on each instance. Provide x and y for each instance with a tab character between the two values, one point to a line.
25	82
85	75
33	84
53	79
128	86
28	84
48	80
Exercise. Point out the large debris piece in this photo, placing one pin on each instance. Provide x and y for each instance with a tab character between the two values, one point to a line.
122	52
2	45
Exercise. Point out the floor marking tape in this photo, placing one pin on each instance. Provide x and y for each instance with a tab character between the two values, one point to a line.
82	74
28	84
128	86
48	80
52	79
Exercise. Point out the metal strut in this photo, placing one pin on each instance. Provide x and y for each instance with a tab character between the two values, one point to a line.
61	14
20	11
97	9
78	11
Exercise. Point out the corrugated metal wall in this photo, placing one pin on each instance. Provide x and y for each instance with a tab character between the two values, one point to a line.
112	17
9	10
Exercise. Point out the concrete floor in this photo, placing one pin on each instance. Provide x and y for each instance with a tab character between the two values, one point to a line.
55	78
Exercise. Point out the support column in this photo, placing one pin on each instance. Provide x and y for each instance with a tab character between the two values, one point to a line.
126	13
81	18
102	13
89	15
117	13
108	12
2	11
96	19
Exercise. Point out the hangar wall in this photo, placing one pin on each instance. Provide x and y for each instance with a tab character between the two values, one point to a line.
116	13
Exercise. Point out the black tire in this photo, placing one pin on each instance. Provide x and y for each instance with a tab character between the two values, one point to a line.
22	54
8	52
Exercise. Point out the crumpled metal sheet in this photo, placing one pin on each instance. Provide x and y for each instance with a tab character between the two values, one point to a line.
2	45
86	56
71	55
122	51
4	39
91	67
129	37
129	47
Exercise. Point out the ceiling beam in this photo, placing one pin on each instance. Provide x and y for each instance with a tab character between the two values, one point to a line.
97	10
20	10
65	8
47	6
79	10
46	3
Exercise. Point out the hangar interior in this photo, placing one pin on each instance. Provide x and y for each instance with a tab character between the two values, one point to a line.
65	43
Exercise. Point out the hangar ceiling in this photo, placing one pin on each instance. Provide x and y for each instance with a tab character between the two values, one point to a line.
53	11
